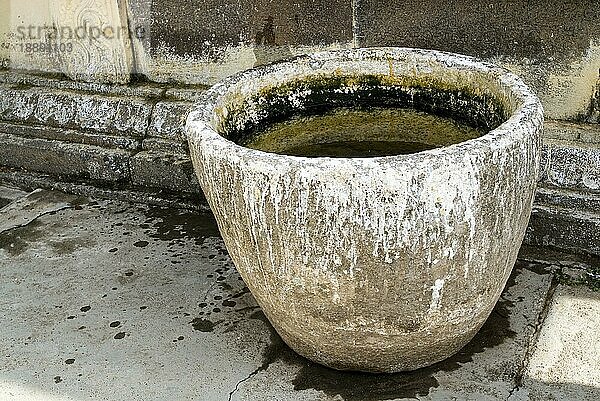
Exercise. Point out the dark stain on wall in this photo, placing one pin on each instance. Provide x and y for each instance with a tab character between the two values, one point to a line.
546	31
594	112
206	27
266	36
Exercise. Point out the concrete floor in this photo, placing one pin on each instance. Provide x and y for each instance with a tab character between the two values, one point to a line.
106	300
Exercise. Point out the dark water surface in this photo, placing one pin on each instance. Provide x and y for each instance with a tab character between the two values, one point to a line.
361	133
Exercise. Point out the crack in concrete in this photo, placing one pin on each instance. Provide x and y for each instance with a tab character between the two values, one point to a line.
35	218
238	384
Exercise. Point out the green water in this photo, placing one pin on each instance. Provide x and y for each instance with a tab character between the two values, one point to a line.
361	133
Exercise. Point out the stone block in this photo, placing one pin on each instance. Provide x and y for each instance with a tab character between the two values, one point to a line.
568	131
561	65
68	109
168	120
207	28
485	29
161	170
567	199
165	146
63	159
19	78
69	135
186	94
571	165
570	229
101	56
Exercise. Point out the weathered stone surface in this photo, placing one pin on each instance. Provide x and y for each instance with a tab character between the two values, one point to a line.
161	170
9	195
166	146
69	275
149	196
29	207
65	159
168	120
571	229
186	94
381	264
66	109
566	199
572	132
291	23
520	29
571	165
203	41
565	364
19	78
105	56
72	136
561	65
595	105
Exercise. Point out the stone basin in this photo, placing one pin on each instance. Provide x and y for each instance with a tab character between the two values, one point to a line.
378	264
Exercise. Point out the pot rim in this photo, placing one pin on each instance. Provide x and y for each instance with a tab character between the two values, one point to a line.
525	119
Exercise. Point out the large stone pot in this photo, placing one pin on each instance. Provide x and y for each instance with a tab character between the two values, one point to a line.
376	264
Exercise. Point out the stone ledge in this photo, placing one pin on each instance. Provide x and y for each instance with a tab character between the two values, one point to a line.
30	181
168	120
569	131
64	109
162	170
63	159
568	199
70	136
23	79
569	164
563	228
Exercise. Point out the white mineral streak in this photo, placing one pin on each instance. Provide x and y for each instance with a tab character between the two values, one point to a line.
436	295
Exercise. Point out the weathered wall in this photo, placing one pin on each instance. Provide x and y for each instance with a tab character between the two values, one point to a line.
554	44
4	30
203	41
17	41
86	40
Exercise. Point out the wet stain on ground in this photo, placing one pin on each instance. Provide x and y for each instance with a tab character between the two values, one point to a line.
70	245
172	224
358	386
4	202
203	325
18	240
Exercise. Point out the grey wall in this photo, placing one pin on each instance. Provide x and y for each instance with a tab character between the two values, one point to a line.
553	44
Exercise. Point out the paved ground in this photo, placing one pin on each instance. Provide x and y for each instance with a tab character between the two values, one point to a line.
105	300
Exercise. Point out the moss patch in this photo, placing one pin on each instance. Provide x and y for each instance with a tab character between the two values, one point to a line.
475	104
